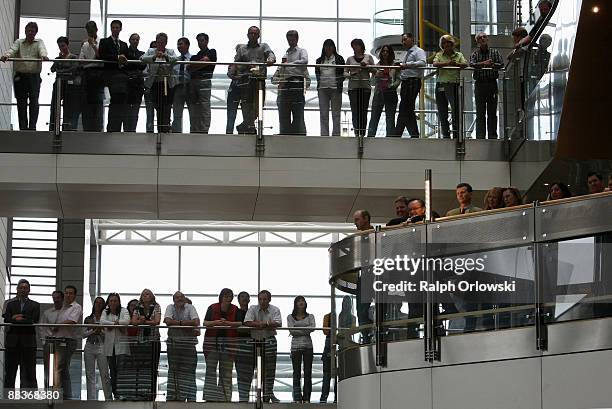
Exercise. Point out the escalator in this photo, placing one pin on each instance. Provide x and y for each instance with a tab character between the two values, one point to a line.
560	133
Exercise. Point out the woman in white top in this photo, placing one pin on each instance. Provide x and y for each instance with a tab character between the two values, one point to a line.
94	353
115	343
329	87
301	348
359	88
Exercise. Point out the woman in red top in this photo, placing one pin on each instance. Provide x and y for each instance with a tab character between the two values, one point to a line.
220	347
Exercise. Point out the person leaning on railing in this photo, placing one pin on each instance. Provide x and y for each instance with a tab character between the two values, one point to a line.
70	91
494	198
449	62
464	198
161	80
181	346
486	62
251	78
264	318
26	75
244	356
558	190
220	347
148	347
511	197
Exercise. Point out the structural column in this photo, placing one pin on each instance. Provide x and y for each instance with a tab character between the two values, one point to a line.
79	13
73	258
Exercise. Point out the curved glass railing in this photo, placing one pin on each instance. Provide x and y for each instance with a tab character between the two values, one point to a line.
531	265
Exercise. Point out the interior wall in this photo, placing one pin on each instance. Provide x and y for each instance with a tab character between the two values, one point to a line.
7	36
568	381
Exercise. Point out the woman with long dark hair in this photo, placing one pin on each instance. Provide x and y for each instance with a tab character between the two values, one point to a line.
330	81
386	81
115	345
220	347
558	190
94	353
301	348
359	88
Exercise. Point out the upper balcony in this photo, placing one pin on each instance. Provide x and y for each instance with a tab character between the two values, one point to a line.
66	172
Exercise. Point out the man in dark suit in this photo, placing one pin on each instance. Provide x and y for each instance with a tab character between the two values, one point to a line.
20	341
113	51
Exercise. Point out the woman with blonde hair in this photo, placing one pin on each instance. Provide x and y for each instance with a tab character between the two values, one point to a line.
450	62
148	347
494	199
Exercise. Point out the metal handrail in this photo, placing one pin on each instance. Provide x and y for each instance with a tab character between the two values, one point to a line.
375	66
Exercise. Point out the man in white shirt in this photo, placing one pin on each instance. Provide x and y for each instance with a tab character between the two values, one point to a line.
181	343
26	78
291	87
265	317
182	82
411	76
49	316
93	77
71	313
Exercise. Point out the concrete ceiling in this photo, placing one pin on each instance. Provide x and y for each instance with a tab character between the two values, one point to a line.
218	177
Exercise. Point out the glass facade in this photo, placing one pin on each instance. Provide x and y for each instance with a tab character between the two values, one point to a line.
200	272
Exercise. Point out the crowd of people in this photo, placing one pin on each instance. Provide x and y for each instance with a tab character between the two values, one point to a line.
127	357
413	210
168	80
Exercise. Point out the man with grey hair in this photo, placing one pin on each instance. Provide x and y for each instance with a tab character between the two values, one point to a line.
161	79
486	62
181	343
401	211
361	218
20	340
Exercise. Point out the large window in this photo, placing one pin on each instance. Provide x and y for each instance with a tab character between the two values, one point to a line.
33	256
201	271
227	22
